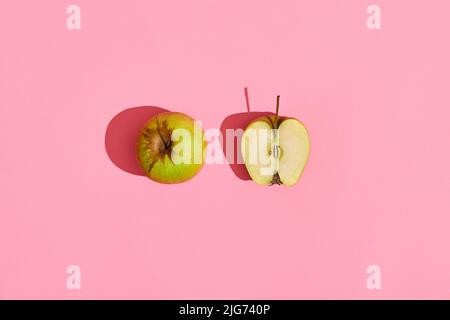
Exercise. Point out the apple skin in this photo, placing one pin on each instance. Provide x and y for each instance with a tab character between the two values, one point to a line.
154	154
287	178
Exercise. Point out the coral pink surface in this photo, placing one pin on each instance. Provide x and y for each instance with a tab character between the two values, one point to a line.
376	190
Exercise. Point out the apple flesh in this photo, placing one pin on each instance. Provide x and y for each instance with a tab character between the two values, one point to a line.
156	144
287	150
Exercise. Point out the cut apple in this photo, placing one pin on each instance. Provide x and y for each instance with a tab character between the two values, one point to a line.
294	146
253	155
275	150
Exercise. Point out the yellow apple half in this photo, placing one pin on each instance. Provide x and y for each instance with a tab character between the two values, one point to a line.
287	149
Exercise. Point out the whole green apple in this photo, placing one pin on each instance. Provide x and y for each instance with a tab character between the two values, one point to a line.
171	148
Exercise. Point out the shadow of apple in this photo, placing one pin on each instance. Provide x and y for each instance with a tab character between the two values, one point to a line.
234	122
121	137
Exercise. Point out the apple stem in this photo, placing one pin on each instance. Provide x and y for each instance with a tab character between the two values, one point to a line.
276	114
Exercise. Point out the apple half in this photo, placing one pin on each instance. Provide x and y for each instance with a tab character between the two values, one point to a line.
275	149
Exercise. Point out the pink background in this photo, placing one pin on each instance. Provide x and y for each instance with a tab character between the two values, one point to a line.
376	189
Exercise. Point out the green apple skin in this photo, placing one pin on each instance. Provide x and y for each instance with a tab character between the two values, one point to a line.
154	148
294	150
